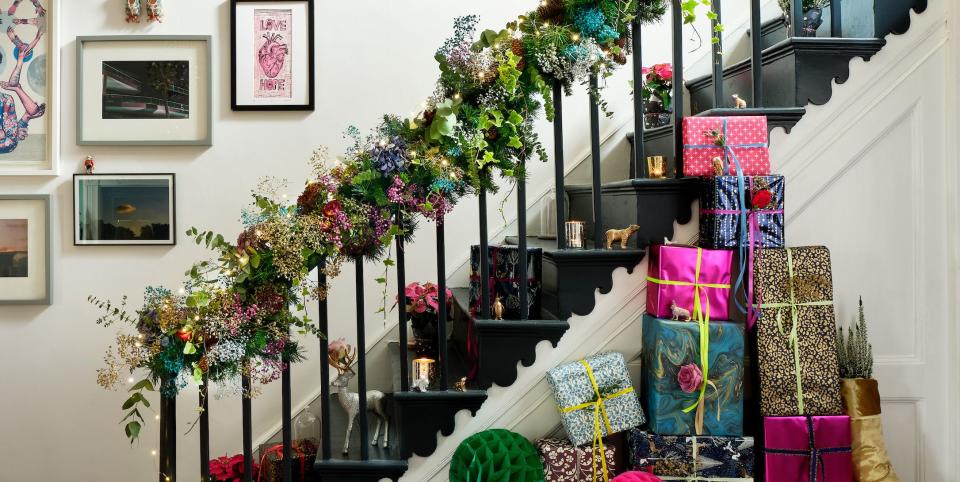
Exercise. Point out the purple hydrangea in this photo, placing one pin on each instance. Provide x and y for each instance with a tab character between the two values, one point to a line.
389	156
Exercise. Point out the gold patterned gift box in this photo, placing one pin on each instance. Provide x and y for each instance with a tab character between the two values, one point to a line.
796	337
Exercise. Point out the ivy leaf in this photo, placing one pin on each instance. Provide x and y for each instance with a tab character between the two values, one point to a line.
189	348
381	280
198	299
515	142
388	261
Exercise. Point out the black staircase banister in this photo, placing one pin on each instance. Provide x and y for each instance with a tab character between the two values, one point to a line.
717	49
796	17
402	302
484	259
247	428
522	240
639	165
756	53
361	363
836	19
323	325
168	436
204	431
558	164
286	426
595	158
677	20
443	358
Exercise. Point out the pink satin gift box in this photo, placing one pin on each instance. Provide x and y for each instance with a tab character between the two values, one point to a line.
808	449
687	275
745	138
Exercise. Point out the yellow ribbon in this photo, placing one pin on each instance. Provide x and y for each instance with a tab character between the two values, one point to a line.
599	411
793	338
701	313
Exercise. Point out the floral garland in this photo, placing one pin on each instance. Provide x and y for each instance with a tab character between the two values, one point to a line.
235	313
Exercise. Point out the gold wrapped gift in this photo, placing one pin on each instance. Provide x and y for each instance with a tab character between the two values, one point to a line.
861	401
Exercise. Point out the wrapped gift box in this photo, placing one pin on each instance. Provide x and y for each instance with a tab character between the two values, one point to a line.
742	137
684	275
795	292
504	280
808	449
680	457
601	384
563	462
721	212
669	345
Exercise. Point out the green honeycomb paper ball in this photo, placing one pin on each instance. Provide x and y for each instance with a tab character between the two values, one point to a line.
496	455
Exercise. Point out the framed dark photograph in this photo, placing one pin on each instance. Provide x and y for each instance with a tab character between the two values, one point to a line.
124	209
144	90
272	55
25	249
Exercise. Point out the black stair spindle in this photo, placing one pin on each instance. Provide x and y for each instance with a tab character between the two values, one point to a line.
286	422
756	54
168	436
484	259
402	312
247	429
718	97
522	241
442	359
323	325
639	165
677	19
362	363
836	19
204	431
558	164
595	155
796	17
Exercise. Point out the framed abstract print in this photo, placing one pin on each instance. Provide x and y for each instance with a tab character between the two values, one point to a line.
144	90
124	209
29	87
25	250
272	55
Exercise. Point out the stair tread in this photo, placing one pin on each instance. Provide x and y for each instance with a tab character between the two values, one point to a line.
639	182
550	249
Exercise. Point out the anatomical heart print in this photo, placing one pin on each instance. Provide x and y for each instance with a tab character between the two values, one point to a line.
273	74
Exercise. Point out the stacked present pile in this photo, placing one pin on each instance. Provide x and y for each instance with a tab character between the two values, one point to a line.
703	303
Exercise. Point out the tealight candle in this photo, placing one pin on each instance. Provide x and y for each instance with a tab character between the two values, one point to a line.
574	232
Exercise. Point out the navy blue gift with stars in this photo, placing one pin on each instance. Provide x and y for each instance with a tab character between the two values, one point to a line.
720	212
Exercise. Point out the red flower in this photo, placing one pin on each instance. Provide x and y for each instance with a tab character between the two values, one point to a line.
761	199
664	71
332	208
184	335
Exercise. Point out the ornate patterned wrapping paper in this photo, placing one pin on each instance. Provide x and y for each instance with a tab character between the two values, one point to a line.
744	137
563	462
807	449
720	212
668	345
678	457
687	275
796	337
575	388
504	279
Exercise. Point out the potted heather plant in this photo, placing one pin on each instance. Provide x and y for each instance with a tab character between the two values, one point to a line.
861	400
423	307
812	15
657	94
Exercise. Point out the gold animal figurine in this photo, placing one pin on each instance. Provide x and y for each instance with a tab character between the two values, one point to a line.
497	309
623	235
718	166
678	313
461	385
738	103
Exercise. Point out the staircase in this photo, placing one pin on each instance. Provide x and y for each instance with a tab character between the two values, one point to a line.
790	72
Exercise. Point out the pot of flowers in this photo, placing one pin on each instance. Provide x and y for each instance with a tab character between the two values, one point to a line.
657	92
812	16
422	306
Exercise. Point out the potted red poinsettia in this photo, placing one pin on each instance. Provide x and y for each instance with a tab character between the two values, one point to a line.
229	469
657	92
422	303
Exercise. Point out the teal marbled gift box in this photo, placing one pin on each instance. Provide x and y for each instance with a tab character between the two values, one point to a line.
669	345
577	397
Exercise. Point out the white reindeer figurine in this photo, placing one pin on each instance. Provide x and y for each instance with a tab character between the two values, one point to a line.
376	400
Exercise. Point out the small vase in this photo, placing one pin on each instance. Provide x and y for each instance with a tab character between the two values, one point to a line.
654	115
861	401
812	20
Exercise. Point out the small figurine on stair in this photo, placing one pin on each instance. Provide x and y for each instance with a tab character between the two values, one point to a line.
622	235
341	356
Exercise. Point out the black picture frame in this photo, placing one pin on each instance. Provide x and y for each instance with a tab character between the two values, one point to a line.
172	241
311	68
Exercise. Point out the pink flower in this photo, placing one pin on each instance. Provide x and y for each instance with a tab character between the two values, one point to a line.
664	71
690	378
645	70
336	346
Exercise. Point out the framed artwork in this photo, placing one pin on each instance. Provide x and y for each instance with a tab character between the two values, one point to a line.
124	209
29	87
25	250
272	55
144	90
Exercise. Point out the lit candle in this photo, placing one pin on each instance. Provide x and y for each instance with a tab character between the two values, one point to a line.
424	374
656	167
574	231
